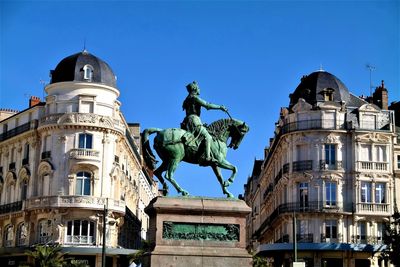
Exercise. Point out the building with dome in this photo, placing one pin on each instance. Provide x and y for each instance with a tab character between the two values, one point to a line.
71	170
330	178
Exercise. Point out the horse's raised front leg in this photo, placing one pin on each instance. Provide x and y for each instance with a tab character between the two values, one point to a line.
224	164
173	164
158	173
217	172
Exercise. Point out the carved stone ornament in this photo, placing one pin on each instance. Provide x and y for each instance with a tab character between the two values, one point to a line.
301	105
86	118
369	107
373	137
201	231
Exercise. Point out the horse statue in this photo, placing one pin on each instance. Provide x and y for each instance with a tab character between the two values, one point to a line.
174	145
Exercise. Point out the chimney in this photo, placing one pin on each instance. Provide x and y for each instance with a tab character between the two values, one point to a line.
380	97
33	101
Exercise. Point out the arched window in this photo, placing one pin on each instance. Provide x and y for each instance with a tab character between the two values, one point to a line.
85	141
80	232
83	184
88	73
9	236
45	231
22	235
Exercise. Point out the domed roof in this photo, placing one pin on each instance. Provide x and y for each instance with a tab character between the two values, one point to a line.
83	67
314	88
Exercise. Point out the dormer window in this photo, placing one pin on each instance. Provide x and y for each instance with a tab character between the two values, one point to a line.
88	73
328	94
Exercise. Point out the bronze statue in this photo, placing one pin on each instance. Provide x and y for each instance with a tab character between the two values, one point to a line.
174	145
192	122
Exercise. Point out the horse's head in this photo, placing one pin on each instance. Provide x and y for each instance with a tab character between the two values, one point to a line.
238	130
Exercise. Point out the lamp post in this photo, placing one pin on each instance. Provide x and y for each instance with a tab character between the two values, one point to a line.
294	236
103	251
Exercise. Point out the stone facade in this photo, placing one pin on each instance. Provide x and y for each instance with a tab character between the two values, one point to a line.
330	165
62	162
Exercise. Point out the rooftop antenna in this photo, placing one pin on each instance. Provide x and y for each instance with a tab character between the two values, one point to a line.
43	83
371	69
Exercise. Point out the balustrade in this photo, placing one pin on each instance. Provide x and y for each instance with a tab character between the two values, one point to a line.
372	166
83	153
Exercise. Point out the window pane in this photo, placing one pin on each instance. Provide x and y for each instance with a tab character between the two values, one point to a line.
84	228
79	186
89	141
81	141
77	227
91	228
87	187
69	228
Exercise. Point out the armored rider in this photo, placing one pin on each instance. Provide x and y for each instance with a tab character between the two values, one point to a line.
192	122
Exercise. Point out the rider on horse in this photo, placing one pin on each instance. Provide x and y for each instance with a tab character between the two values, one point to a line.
192	122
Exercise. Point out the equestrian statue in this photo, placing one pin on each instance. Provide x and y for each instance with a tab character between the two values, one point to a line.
194	143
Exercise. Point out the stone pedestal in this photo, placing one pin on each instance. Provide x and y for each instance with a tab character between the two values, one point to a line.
197	231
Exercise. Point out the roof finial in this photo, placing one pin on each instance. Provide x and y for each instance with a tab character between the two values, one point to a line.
320	67
84	46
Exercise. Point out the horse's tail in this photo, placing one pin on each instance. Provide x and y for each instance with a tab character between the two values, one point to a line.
148	155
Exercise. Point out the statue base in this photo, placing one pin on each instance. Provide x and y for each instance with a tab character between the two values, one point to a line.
197	231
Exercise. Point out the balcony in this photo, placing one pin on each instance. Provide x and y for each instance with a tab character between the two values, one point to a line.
25	162
302	165
325	239
312	125
86	202
11	166
305	238
285	168
364	239
372	166
19	130
373	208
46	155
283	239
84	154
11	207
324	166
310	206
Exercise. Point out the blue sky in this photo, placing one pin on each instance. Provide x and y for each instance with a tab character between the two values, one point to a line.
246	55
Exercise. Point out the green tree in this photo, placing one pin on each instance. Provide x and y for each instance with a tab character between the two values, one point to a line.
392	240
47	255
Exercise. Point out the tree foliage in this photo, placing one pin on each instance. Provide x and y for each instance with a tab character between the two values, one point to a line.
392	240
47	255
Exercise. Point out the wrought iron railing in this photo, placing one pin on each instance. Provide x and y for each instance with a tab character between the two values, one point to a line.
19	130
25	161
310	206
285	168
46	155
305	238
283	239
302	165
311	124
11	207
11	166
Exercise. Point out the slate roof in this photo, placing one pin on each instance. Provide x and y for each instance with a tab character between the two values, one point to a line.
312	86
71	69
